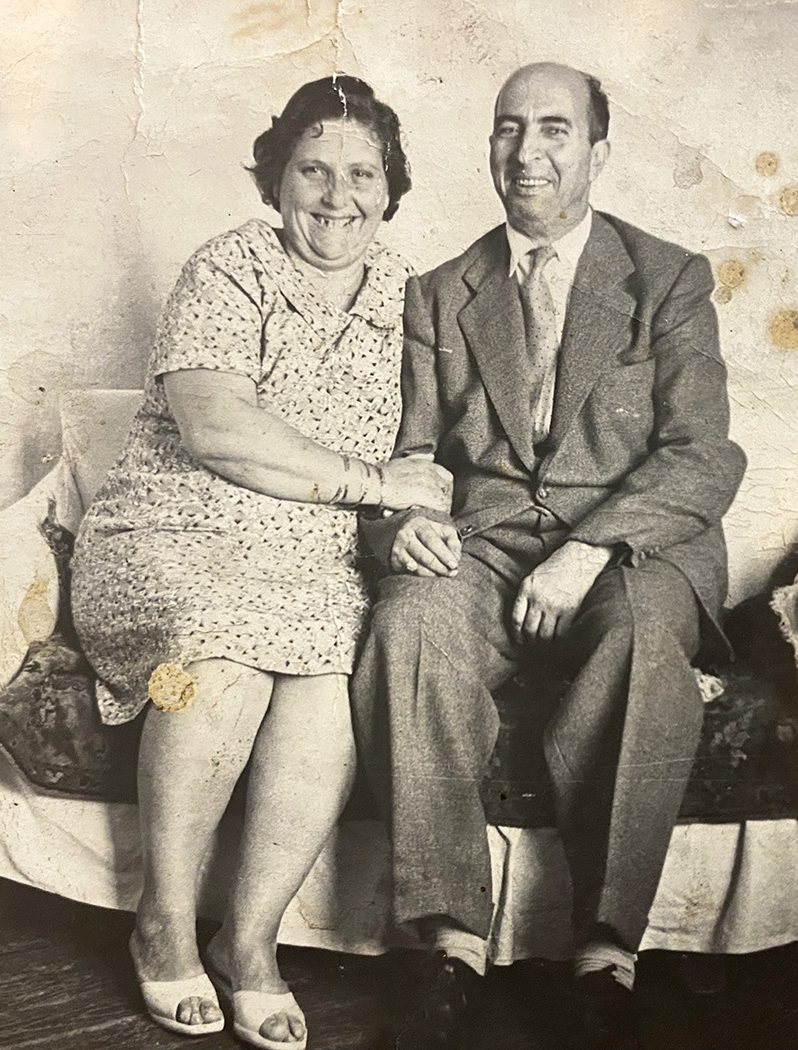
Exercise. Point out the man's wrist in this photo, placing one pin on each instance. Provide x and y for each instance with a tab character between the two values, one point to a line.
592	553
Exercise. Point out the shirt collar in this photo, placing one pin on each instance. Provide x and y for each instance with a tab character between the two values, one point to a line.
569	247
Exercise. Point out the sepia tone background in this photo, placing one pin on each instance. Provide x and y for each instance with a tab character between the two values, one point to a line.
125	126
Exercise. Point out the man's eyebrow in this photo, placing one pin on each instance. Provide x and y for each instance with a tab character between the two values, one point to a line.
549	118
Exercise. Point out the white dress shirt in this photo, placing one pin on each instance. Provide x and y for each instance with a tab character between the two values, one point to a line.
559	271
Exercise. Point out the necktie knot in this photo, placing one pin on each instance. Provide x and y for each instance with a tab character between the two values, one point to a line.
539	257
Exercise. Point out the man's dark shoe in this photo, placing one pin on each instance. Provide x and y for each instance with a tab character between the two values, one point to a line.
608	1020
449	987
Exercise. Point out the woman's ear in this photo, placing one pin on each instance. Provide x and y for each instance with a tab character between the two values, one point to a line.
275	197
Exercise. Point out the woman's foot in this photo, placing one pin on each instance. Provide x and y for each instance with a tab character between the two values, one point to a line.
165	952
254	970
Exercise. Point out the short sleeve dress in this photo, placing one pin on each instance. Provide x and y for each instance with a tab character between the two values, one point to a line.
174	563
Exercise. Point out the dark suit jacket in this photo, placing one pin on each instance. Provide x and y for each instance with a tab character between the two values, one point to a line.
638	455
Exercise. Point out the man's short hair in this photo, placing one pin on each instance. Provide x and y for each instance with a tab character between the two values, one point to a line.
598	110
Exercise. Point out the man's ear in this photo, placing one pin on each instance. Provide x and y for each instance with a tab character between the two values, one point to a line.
599	154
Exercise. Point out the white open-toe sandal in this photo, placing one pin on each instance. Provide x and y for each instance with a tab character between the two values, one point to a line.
251	1009
162	999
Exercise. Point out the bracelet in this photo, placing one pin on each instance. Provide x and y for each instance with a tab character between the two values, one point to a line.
369	488
366	476
374	484
342	494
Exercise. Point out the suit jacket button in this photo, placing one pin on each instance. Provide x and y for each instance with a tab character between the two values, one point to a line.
543	493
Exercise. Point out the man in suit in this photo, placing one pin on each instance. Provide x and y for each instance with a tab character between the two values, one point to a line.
566	369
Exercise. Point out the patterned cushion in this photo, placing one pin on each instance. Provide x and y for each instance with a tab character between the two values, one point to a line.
746	766
49	723
50	726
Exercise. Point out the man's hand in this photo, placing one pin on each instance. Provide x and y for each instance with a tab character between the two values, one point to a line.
424	547
551	596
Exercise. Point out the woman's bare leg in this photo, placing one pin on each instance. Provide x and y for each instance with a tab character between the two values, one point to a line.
302	769
189	763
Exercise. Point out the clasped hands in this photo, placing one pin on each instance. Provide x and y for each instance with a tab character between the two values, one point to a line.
548	598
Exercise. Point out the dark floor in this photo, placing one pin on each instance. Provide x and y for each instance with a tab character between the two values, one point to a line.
66	984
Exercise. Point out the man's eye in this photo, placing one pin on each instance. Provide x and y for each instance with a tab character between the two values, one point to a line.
555	131
506	131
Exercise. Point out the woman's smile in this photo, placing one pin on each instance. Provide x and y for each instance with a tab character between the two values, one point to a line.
333	221
331	228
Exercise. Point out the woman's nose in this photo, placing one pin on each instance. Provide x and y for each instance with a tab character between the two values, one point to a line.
337	191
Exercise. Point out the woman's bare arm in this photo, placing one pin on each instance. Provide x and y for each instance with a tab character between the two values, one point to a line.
223	427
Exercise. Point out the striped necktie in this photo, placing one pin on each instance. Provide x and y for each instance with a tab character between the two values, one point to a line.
542	341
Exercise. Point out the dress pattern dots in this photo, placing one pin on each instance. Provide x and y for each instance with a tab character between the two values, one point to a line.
173	563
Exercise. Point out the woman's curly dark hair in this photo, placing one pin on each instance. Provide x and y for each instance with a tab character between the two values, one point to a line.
332	98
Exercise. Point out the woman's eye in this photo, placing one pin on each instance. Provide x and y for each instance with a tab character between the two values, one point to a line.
362	173
311	169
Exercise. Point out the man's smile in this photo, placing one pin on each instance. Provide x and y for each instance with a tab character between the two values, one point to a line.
529	183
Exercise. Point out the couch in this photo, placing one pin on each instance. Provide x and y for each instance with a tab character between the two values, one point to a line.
68	818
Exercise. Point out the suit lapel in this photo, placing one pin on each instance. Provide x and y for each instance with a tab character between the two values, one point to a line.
596	324
493	325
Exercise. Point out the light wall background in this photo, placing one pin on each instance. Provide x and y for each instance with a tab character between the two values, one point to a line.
124	126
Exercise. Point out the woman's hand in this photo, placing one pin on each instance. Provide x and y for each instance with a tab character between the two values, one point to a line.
416	482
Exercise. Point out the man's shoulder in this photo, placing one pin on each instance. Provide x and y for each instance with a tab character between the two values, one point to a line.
649	253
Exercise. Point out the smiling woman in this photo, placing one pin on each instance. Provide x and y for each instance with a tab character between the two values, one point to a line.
333	195
334	171
222	550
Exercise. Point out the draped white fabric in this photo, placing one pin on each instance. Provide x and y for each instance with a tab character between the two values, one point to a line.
726	887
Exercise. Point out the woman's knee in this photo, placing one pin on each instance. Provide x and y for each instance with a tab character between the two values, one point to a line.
313	697
220	684
315	710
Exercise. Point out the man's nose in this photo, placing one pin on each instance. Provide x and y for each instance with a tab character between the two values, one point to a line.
337	190
530	147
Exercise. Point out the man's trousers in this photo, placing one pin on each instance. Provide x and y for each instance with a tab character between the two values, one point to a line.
619	745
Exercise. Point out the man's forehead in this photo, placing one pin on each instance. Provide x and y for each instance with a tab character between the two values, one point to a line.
544	86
